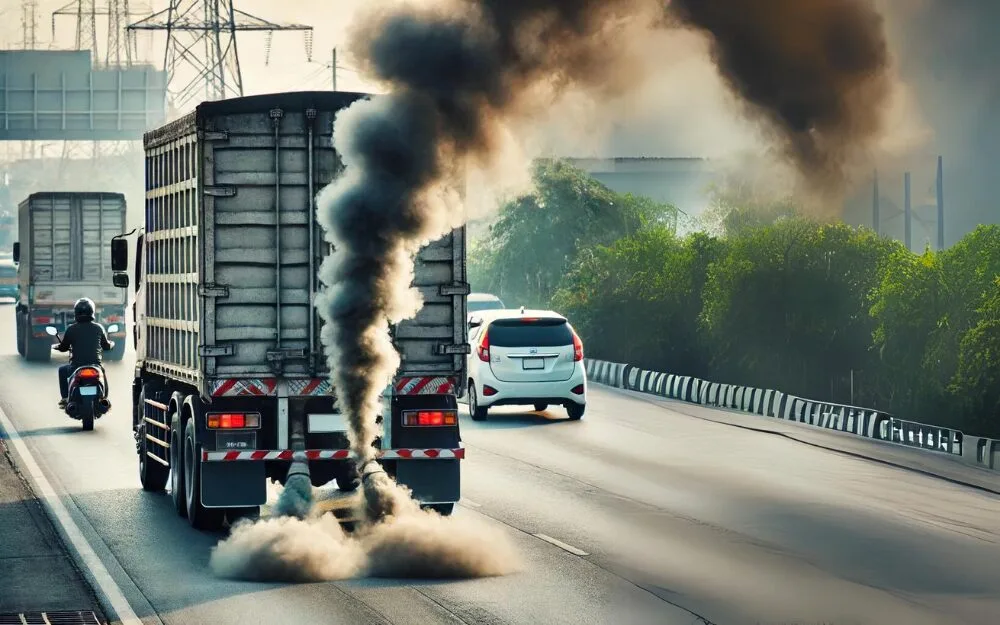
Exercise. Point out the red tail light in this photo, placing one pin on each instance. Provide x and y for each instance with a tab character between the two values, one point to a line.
113	318
577	348
42	320
430	418
578	389
488	390
88	374
233	420
484	347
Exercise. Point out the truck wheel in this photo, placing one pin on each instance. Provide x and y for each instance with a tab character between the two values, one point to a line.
116	353
177	492
36	350
444	509
19	318
477	412
152	474
199	516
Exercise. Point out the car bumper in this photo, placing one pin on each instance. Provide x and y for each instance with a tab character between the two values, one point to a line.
522	393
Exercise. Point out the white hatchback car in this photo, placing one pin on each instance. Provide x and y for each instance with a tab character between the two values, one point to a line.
525	357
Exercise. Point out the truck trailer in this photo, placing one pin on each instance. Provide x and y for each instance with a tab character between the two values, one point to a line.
230	370
63	253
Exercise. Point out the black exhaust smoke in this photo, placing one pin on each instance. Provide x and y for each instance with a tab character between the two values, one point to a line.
459	72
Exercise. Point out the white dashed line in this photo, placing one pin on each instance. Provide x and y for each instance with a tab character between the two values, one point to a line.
47	495
561	545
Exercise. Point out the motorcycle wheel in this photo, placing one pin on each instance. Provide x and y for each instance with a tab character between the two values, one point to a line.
88	417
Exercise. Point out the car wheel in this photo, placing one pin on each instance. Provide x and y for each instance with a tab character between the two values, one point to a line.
541	407
477	412
575	411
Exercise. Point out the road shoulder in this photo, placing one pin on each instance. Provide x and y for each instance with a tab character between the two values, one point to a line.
36	572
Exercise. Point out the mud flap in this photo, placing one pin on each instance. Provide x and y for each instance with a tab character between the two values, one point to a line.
432	481
233	484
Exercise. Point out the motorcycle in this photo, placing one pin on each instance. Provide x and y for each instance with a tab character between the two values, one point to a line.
88	391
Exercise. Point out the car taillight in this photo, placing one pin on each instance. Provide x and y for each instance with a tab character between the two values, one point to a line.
88	374
578	389
430	418
484	347
577	348
488	390
233	420
42	320
112	318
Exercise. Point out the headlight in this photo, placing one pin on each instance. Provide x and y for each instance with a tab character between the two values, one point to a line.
114	327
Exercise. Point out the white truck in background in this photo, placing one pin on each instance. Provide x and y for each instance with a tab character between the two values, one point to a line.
229	363
63	254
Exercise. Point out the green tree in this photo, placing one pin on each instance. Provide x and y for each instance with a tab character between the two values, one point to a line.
638	300
787	306
976	384
536	237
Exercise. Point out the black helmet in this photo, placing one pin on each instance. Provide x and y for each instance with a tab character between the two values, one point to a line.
84	309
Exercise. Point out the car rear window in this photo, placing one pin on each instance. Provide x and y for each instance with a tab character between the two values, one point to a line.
537	333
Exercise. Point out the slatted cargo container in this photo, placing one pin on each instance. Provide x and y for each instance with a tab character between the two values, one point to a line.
233	248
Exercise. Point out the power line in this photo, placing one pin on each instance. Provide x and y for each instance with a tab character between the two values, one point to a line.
201	35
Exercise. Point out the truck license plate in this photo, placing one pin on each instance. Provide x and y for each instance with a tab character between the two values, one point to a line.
533	363
88	390
236	441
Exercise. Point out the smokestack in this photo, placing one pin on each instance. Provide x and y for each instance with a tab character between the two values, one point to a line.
940	203
907	216
875	206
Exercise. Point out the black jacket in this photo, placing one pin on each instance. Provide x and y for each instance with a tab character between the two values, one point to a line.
87	340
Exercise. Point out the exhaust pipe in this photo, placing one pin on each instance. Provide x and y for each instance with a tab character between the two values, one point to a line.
71	408
104	404
296	498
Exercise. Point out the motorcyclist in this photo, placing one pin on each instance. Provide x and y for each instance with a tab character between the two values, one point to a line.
86	339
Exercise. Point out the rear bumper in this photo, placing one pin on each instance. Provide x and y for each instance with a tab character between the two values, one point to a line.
520	393
261	455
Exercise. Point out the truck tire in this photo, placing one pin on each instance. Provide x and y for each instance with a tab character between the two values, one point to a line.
152	474
177	491
200	517
36	350
116	353
20	332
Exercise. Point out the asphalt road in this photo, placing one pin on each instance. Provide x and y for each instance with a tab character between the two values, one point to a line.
670	509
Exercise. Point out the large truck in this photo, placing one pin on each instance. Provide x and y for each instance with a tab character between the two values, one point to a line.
230	370
63	254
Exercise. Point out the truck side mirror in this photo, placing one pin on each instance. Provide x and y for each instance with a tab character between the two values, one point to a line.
120	280
119	256
17	252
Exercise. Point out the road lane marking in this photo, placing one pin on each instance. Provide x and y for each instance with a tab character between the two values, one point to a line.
562	545
47	495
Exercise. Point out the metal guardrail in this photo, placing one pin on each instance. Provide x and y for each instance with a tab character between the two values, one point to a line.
863	422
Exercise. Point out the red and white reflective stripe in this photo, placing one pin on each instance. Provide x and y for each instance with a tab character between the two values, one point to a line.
334	454
424	386
244	387
315	386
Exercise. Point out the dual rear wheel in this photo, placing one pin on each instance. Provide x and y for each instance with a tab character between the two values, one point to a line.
183	472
